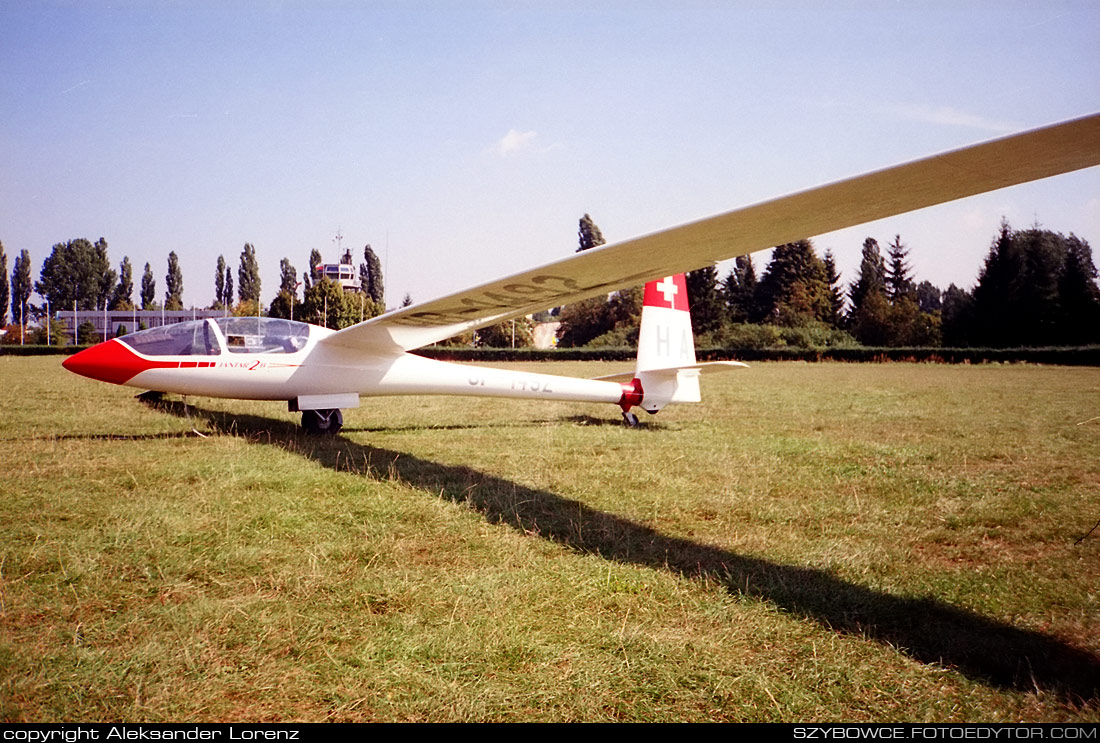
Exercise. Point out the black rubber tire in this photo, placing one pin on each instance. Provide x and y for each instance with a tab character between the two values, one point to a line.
322	422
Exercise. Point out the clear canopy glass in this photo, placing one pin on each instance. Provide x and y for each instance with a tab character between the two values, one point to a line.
237	335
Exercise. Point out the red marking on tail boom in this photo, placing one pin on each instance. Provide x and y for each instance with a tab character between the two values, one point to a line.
632	395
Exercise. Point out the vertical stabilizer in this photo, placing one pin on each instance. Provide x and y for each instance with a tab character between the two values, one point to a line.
666	345
665	339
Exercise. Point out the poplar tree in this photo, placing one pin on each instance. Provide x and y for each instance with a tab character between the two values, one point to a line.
219	284
122	298
148	289
21	287
286	301
588	234
227	300
5	287
370	277
173	282
248	276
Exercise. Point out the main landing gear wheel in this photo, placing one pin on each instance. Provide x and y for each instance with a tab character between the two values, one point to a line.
322	421
630	419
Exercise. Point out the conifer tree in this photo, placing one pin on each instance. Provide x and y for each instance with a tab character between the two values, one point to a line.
899	282
1079	297
794	290
740	290
703	299
836	296
872	276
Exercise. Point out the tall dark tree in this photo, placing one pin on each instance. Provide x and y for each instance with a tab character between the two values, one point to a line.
77	272
836	294
173	282
315	261
703	299
1035	289
107	277
899	276
21	287
996	298
227	300
794	289
286	302
588	234
956	310
872	275
248	275
899	280
5	287
582	322
929	297
219	284
370	276
740	290
1079	297
122	298
148	289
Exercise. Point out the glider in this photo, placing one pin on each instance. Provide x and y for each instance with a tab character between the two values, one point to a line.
319	371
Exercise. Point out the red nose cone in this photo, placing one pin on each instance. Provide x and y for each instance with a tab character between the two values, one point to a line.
108	362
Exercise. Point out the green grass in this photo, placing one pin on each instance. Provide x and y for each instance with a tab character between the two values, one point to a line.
813	542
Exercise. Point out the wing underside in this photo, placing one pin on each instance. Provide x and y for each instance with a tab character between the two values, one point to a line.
1019	158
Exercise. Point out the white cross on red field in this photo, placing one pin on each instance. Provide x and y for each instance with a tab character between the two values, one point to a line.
668	287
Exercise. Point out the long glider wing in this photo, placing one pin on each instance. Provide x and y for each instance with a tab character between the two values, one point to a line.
1018	158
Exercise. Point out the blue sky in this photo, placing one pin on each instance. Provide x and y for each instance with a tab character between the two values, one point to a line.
464	140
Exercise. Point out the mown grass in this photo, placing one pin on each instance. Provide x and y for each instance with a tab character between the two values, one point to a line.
813	542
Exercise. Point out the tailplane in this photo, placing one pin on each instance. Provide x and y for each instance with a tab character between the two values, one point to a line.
666	370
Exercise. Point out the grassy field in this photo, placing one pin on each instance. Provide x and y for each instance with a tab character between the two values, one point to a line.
813	542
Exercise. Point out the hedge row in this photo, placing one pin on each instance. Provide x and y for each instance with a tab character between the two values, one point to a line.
1080	356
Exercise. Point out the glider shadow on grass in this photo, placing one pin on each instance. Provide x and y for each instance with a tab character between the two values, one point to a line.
924	628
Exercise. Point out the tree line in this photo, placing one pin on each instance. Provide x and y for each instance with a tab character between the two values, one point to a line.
78	275
1036	288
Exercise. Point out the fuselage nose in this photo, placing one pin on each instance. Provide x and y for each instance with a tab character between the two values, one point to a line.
108	362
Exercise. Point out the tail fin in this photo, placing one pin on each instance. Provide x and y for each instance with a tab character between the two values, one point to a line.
666	345
666	370
665	340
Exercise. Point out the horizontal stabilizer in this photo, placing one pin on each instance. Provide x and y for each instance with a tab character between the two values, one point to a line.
706	366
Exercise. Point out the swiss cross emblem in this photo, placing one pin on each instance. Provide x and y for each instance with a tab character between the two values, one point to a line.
667	287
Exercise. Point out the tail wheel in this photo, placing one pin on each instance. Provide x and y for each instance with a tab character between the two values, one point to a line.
322	421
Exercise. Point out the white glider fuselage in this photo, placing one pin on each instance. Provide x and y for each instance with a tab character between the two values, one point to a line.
270	369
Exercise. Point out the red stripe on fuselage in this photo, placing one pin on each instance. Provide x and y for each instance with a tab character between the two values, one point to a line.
113	362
